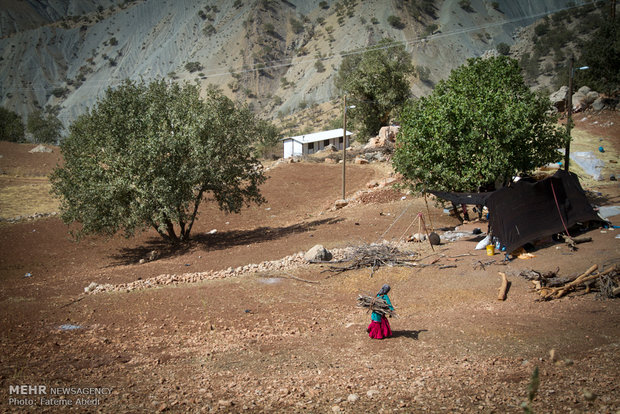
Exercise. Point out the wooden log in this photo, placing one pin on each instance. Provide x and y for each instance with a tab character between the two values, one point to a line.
503	288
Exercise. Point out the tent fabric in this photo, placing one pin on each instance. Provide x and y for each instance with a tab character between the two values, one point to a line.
529	210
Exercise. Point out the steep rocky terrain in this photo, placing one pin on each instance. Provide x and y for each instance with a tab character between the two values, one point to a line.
279	56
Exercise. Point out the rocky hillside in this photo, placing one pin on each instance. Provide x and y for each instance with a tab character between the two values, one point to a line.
279	56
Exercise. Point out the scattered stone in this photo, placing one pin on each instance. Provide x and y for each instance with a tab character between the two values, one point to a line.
318	254
154	255
336	409
40	148
588	395
372	393
360	161
353	398
90	287
340	204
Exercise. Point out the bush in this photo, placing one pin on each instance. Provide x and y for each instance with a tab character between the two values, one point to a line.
11	126
45	126
395	22
192	67
296	25
503	49
319	66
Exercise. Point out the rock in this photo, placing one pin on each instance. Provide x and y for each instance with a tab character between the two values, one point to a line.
154	255
579	102
584	90
329	161
359	160
330	147
318	254
341	203
336	409
372	184
591	97
558	98
90	287
434	239
388	133
353	398
372	393
40	148
224	403
598	104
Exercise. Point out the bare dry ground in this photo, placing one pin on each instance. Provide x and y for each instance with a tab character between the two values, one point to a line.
273	341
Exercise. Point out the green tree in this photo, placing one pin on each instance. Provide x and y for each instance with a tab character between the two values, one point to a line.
602	54
376	83
481	125
11	126
44	126
147	156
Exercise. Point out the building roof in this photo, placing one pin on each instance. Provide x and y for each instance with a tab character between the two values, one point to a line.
318	136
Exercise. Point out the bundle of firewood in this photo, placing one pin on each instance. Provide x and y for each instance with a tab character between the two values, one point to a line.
375	256
550	286
375	304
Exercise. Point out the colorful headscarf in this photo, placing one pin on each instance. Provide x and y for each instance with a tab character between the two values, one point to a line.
384	290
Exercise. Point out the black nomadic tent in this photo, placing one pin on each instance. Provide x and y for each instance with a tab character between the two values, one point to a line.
529	210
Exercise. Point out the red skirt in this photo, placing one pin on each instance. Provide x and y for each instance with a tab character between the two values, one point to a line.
379	330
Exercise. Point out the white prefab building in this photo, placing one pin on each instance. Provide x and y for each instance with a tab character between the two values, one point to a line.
311	143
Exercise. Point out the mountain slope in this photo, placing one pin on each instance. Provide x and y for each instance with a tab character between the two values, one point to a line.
278	56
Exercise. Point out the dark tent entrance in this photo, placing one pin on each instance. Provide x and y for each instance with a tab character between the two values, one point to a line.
529	210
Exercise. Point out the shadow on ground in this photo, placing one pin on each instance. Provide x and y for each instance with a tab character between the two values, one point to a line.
411	334
217	241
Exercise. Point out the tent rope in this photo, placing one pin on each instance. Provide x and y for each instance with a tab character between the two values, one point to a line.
558	207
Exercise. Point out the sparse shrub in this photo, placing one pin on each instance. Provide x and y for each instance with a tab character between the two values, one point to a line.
374	20
466	5
503	49
430	29
324	5
113	41
319	66
395	22
270	29
192	67
59	92
495	5
541	29
238	4
208	30
320	20
296	25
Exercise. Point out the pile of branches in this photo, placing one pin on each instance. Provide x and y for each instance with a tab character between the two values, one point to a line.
375	256
375	304
550	286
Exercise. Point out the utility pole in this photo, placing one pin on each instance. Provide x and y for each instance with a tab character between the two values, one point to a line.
569	119
344	146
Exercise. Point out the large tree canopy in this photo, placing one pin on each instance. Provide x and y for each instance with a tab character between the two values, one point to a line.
147	155
376	83
481	125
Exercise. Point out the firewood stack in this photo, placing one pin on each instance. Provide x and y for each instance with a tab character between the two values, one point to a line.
550	286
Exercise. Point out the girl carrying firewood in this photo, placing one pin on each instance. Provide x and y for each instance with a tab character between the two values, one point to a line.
379	327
